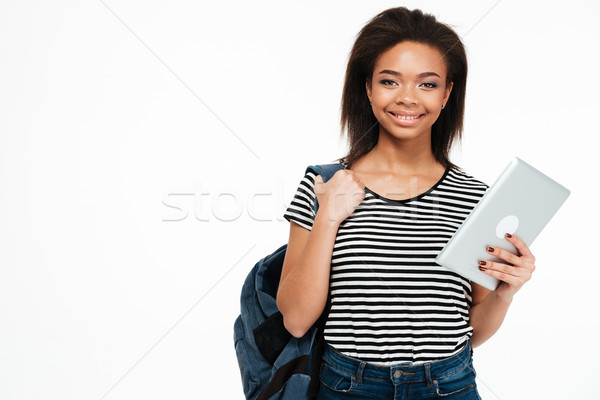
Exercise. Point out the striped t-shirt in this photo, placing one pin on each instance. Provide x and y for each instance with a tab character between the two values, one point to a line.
390	301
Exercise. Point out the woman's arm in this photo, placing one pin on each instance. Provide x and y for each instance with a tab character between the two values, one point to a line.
489	308
486	315
304	284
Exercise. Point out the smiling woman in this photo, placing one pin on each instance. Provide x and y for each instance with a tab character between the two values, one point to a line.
422	94
397	323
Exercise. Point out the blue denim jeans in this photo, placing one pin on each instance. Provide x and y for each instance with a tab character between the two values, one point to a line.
343	377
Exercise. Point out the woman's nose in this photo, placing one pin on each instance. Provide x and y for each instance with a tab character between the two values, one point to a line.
407	97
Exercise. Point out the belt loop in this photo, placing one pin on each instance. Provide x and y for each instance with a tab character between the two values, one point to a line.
359	373
428	374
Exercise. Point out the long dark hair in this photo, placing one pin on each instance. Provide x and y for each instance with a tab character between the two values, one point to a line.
381	33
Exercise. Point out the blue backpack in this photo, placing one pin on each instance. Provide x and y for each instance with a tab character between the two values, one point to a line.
274	364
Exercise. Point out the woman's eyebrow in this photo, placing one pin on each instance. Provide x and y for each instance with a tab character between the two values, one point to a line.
421	75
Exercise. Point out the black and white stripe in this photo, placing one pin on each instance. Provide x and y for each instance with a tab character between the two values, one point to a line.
391	302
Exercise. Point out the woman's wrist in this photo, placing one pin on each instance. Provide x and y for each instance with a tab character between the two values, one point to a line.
504	297
323	218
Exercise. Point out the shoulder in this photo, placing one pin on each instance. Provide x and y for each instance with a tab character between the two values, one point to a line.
326	170
306	187
463	177
308	180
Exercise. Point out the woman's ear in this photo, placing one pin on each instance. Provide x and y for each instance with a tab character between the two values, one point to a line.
368	87
447	92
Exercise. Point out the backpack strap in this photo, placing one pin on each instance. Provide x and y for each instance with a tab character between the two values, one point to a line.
326	171
281	376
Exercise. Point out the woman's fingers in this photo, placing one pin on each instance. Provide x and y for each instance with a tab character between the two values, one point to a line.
500	268
505	255
518	270
511	279
524	260
521	247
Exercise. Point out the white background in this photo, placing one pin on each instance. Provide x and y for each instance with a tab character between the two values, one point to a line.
121	123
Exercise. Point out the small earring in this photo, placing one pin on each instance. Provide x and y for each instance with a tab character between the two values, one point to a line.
442	106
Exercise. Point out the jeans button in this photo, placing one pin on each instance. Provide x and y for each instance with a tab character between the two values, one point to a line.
397	374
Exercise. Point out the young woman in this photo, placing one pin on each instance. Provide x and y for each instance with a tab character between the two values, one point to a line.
400	326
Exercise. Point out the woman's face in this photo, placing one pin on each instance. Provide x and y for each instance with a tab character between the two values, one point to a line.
408	80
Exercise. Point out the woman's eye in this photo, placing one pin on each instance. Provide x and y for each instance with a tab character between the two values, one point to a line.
388	82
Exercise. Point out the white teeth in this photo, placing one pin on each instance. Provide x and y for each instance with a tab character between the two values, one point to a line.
403	117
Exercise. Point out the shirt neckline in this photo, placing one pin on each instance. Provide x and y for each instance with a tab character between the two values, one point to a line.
417	197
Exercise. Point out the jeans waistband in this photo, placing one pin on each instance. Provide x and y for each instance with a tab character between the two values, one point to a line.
401	372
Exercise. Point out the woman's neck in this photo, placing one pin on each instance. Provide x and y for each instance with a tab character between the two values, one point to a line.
407	160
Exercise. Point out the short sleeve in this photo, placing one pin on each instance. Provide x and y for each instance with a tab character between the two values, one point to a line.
302	208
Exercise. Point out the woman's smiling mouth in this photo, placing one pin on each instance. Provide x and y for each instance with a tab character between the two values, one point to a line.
406	119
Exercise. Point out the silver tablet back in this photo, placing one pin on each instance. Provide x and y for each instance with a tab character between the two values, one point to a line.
522	201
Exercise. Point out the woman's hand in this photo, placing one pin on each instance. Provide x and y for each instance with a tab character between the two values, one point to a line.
514	274
339	196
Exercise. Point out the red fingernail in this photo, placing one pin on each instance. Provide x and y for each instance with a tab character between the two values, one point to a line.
508	235
481	262
490	249
482	269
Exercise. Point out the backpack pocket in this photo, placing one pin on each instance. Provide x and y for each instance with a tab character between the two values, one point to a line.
250	380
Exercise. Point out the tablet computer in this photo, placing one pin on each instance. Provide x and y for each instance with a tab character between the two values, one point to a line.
522	201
